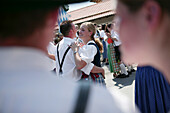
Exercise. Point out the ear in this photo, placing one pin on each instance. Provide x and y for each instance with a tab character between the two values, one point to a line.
70	32
90	33
153	14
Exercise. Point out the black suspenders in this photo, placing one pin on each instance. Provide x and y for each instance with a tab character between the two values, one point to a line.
61	64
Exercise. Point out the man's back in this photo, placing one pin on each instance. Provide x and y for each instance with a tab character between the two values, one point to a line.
69	69
29	87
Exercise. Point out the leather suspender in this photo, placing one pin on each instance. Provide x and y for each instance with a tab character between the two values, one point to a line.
61	64
82	99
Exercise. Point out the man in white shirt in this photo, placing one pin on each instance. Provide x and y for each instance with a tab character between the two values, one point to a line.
69	69
26	84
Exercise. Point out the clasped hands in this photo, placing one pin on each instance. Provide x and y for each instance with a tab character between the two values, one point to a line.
75	46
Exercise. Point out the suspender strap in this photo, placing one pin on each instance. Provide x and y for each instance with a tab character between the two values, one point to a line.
58	54
82	99
61	64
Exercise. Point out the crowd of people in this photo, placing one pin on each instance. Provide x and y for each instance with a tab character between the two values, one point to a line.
75	80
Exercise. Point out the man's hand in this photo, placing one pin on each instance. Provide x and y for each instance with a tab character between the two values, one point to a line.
51	56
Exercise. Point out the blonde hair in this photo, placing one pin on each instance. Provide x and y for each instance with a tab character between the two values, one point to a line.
91	28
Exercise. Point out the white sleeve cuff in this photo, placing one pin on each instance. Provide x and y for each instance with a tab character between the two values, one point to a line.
87	69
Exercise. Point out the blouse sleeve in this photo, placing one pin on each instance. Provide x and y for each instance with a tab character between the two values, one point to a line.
87	53
87	69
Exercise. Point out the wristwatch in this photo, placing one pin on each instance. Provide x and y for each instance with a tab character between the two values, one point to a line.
75	52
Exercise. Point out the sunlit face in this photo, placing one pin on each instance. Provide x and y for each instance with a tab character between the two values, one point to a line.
84	33
133	35
74	30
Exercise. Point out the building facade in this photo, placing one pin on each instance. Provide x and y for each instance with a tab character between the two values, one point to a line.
100	13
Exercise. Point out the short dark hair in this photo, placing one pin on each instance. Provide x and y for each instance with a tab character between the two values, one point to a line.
22	23
65	27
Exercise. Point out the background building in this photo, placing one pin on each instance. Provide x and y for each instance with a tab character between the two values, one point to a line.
100	13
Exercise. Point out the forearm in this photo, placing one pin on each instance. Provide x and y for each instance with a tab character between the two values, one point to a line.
96	69
79	62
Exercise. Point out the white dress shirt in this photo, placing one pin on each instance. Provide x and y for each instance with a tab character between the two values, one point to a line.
27	86
69	67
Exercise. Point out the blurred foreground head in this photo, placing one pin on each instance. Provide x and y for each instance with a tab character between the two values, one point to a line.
29	22
144	31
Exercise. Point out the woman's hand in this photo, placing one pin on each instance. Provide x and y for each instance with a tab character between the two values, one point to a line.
74	46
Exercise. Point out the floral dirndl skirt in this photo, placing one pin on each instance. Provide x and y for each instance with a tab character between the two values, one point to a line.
114	67
94	78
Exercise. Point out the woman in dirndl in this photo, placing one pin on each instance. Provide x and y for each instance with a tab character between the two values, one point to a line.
114	66
89	53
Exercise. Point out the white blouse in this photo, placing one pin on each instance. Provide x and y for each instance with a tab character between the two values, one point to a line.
87	52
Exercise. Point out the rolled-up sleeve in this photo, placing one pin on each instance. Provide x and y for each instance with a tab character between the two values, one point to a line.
87	69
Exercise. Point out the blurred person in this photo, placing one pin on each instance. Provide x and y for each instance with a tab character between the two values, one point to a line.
97	34
144	32
90	52
56	41
26	84
116	42
60	35
114	66
103	37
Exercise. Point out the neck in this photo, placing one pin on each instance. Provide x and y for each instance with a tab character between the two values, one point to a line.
163	64
70	37
163	45
85	40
